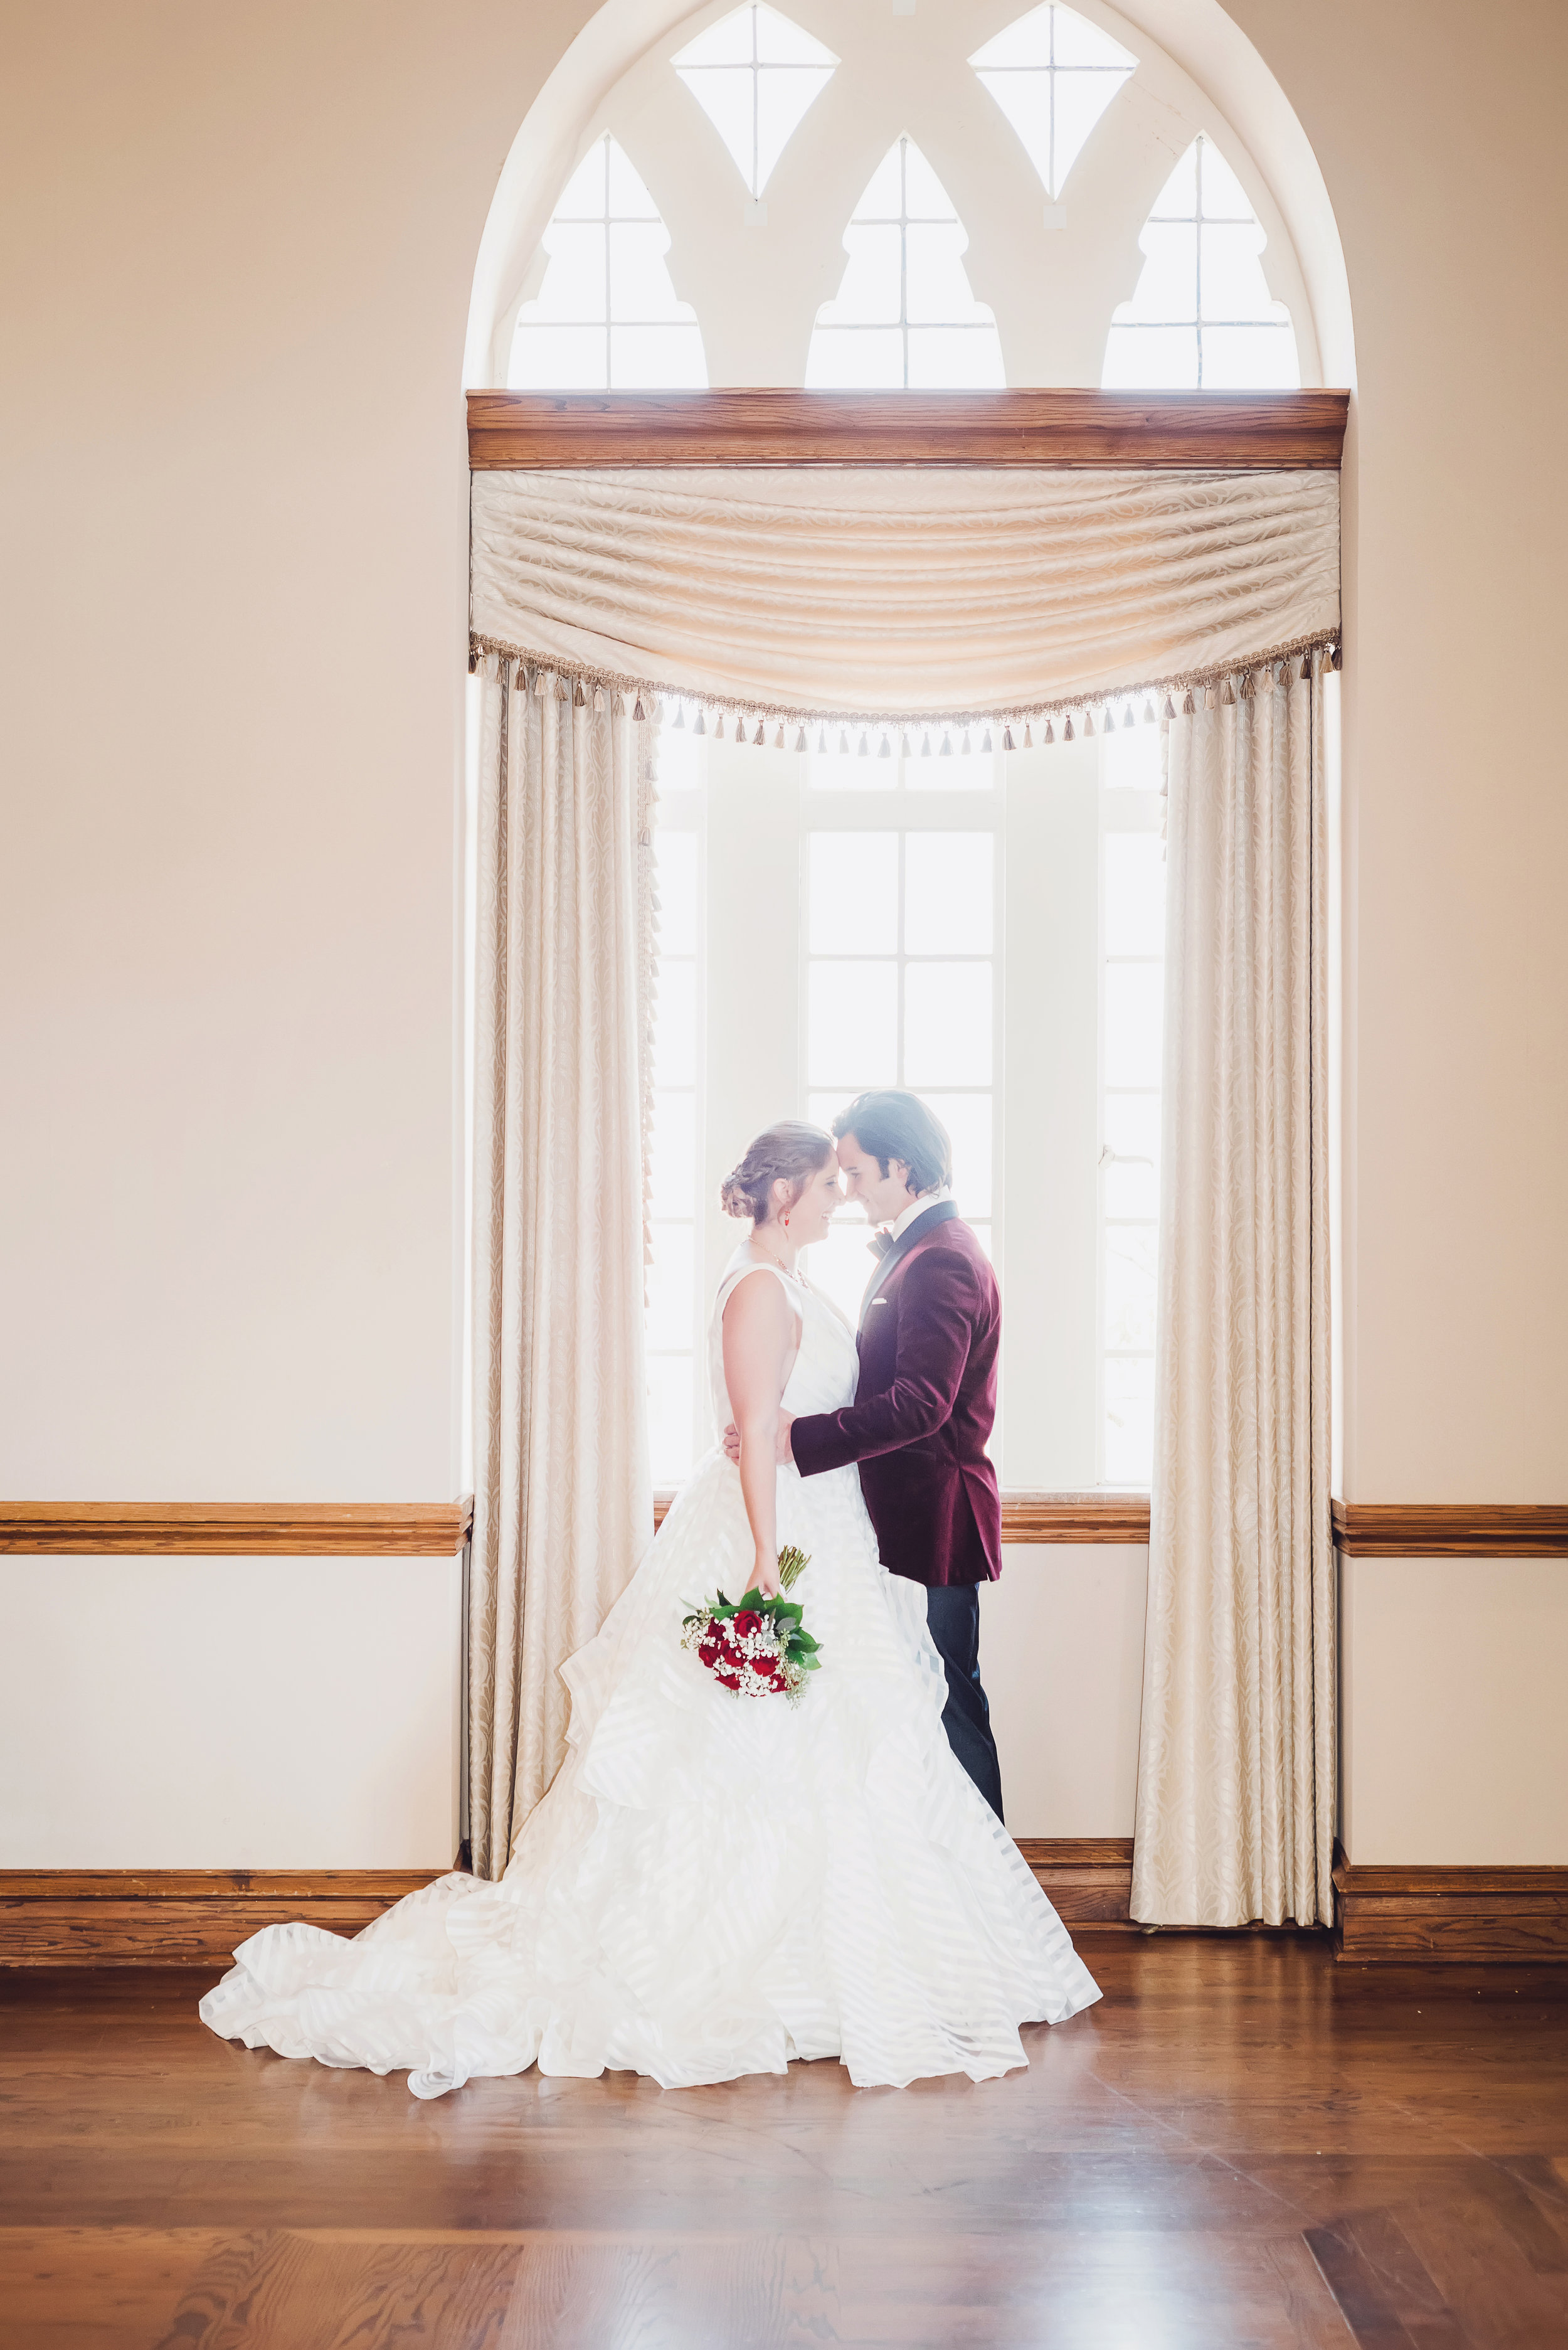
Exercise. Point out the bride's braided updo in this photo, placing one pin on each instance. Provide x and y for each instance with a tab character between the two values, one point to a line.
791	1152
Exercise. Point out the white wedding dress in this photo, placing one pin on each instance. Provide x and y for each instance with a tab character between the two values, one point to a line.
713	1884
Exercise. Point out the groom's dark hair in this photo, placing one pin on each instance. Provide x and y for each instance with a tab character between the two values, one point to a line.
891	1125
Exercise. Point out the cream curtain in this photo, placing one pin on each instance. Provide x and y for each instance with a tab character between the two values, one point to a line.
1235	1798
563	1499
891	592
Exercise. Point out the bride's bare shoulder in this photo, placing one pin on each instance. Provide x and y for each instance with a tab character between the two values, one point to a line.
756	1304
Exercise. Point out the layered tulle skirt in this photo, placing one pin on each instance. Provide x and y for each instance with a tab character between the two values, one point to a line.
713	1885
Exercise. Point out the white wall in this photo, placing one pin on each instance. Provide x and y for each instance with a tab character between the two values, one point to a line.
229	1713
236	249
1061	1655
1455	1732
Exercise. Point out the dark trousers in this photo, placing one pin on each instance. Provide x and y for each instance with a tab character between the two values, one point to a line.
952	1613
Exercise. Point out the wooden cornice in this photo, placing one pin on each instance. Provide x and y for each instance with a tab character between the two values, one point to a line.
514	431
233	1529
1450	1530
1054	1517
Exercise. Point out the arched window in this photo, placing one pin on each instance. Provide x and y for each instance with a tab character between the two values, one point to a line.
1053	74
754	74
904	317
605	316
1201	319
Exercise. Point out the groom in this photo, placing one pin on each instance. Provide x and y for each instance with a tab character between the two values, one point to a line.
930	1330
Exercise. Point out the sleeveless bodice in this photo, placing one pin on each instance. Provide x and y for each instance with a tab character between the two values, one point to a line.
825	1368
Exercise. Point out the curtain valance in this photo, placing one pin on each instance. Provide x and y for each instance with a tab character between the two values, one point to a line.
921	593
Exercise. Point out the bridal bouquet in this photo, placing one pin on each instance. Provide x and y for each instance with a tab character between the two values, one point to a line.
756	1646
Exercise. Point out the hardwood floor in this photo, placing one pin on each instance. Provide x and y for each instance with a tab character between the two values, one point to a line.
1244	2144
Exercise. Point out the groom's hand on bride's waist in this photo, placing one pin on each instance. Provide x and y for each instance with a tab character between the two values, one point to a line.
730	1439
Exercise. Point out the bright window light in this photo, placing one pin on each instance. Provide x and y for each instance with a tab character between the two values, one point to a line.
1053	74
1201	319
904	317
605	316
754	74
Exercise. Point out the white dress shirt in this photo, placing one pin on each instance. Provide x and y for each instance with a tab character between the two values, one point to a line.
918	1208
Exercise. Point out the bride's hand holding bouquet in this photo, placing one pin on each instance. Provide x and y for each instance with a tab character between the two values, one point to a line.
756	1645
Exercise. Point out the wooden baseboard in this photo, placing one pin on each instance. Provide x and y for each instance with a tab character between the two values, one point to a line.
1086	1879
179	1917
1469	1916
147	1918
189	1916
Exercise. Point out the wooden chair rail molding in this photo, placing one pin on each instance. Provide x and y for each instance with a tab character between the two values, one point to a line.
234	1529
1450	1530
1066	1517
518	431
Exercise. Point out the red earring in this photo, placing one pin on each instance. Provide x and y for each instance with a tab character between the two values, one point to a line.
786	1223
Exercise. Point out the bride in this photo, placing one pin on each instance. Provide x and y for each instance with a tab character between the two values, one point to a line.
715	1885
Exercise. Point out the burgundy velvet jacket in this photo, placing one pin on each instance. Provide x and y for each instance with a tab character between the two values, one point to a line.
929	1332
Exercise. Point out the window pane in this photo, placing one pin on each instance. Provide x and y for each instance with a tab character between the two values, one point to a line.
1075	42
641	288
950	892
955	359
559	358
574	283
851	359
1130	1285
657	359
781	101
1025	98
1134	995
823	1108
675	856
1167	284
842	1264
1135	893
682	754
854	893
835	771
931	771
1151	359
583	197
724	95
1129	759
670	1402
936	288
674	1027
968	1119
627	197
1129	1419
1234	283
1251	359
674	1153
670	1301
868	291
1080	100
853	1024
1131	1177
947	1024
1225	198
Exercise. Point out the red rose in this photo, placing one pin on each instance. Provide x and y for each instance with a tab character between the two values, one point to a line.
747	1621
708	1652
728	1680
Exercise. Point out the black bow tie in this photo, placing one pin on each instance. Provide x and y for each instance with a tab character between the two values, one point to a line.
879	1244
